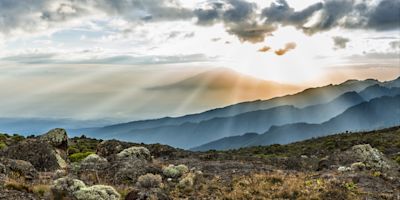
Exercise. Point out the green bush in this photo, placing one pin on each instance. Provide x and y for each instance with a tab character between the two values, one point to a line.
2	145
397	159
77	157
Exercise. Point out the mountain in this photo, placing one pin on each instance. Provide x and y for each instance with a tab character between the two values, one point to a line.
255	121
307	97
376	113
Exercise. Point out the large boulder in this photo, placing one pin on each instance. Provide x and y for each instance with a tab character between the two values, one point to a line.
111	147
23	168
371	157
57	138
134	153
65	187
38	152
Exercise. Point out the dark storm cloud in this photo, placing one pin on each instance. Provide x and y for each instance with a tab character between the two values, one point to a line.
340	42
280	12
240	18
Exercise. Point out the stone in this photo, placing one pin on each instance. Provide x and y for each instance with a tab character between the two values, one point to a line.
40	154
135	153
371	157
57	138
24	168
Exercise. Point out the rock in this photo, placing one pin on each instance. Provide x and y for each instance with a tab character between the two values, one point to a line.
57	138
371	157
111	147
127	170
97	192
135	153
39	153
24	168
357	166
67	186
324	163
16	195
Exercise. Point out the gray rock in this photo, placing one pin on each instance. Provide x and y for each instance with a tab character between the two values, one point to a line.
57	138
24	168
39	153
371	157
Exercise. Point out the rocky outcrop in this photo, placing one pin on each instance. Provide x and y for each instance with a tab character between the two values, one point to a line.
58	138
134	153
39	153
76	189
371	157
111	147
20	167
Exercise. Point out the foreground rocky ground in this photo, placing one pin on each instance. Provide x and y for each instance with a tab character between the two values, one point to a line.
344	166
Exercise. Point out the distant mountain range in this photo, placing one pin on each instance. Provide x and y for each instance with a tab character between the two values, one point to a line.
374	114
311	106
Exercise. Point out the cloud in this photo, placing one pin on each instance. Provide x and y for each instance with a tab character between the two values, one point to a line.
264	49
289	46
58	58
394	44
340	42
241	18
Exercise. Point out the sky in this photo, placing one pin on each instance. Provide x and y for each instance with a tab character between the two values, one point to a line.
89	59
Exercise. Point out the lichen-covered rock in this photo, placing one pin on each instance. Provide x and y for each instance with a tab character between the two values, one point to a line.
97	192
149	181
21	167
135	153
371	157
111	147
67	186
39	153
56	137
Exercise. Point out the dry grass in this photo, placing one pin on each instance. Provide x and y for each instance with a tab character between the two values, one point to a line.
272	185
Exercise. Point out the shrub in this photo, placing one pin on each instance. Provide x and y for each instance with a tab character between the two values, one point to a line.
77	157
40	190
175	171
135	153
2	145
97	192
397	159
72	150
149	181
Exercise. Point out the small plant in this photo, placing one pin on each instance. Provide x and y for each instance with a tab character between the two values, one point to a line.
350	186
397	159
2	145
77	157
376	174
149	181
40	190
